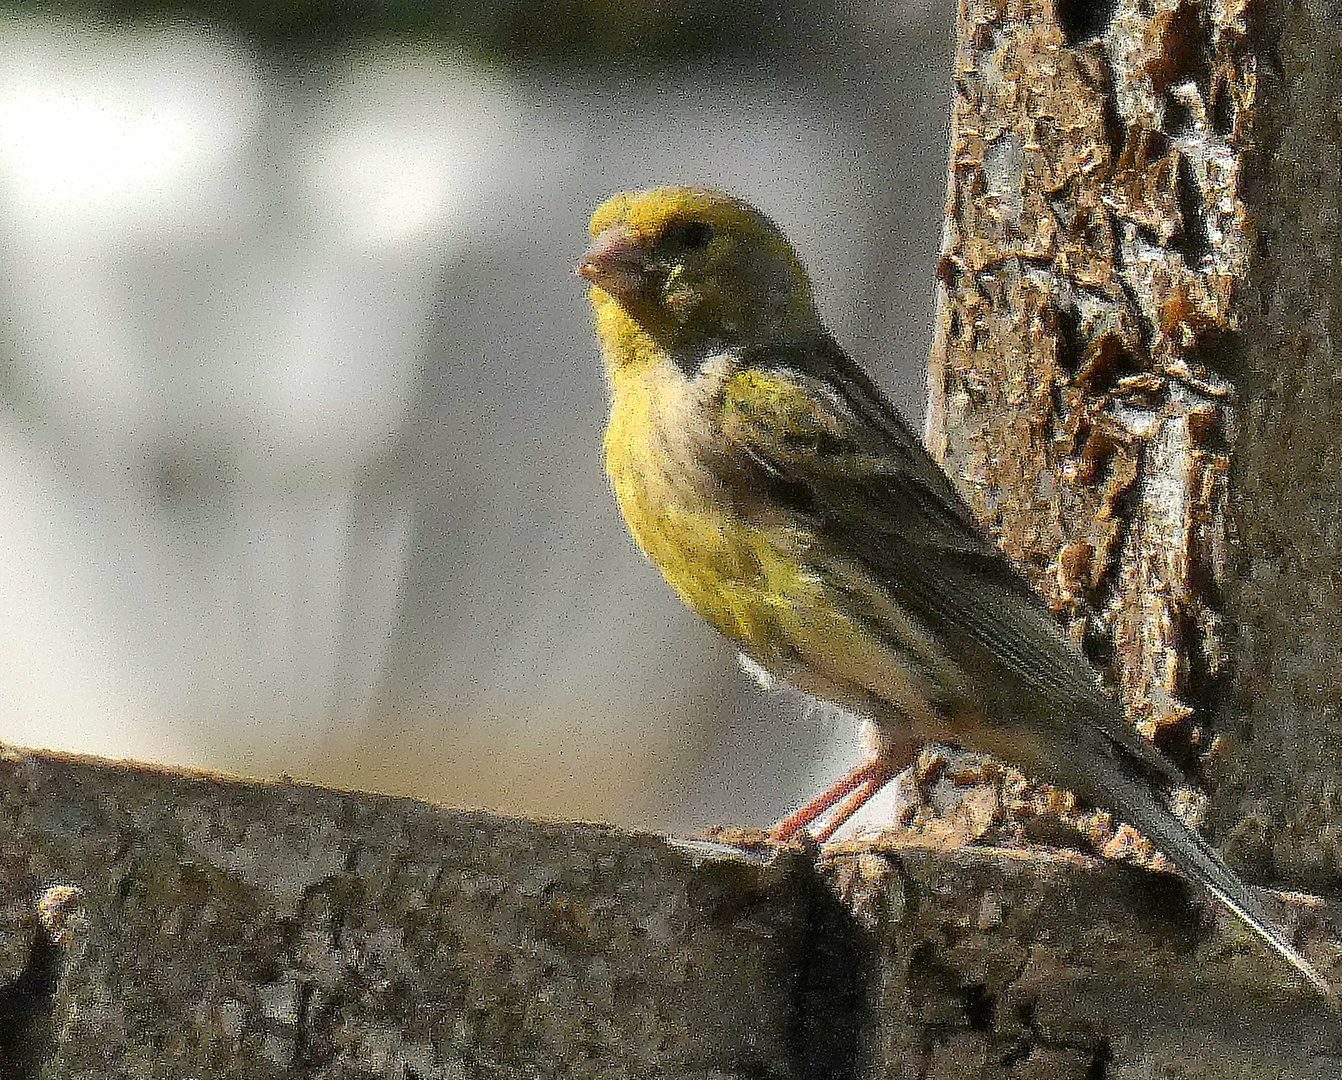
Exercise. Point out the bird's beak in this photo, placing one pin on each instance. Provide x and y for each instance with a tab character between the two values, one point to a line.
617	263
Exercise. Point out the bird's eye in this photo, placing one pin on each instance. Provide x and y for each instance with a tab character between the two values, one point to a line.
692	235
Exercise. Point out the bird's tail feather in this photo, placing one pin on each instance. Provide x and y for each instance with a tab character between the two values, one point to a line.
1139	805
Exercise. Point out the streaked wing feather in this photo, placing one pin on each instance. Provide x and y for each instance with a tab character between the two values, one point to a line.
816	424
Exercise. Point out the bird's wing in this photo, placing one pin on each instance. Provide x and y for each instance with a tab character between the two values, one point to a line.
813	422
813	417
848	464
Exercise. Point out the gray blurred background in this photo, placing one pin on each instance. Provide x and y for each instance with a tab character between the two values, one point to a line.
300	407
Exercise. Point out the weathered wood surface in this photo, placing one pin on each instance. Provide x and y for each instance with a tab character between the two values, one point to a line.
1279	799
262	930
1082	385
1135	377
231	929
1135	381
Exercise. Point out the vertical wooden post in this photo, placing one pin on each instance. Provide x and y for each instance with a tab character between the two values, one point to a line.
1132	376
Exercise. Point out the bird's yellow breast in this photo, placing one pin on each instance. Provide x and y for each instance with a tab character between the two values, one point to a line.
752	581
766	581
732	572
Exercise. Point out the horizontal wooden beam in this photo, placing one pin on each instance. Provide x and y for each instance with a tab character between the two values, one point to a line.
165	924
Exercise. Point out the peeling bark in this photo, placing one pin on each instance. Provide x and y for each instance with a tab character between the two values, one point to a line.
1137	268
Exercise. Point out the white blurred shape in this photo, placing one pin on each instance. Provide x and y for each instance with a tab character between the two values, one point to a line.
63	685
410	143
68	145
102	130
335	359
386	184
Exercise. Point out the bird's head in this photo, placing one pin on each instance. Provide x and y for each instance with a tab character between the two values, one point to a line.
697	269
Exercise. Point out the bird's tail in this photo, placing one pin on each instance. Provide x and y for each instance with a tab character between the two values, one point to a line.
1135	802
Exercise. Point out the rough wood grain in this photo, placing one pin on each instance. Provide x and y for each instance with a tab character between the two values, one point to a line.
264	930
1134	377
1280	794
161	925
1080	384
992	964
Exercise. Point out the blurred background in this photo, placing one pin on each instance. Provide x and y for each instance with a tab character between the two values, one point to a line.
300	407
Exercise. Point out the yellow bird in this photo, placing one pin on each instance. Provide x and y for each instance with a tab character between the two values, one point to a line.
786	501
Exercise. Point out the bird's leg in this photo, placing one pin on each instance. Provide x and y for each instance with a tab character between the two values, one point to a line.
857	785
855	800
